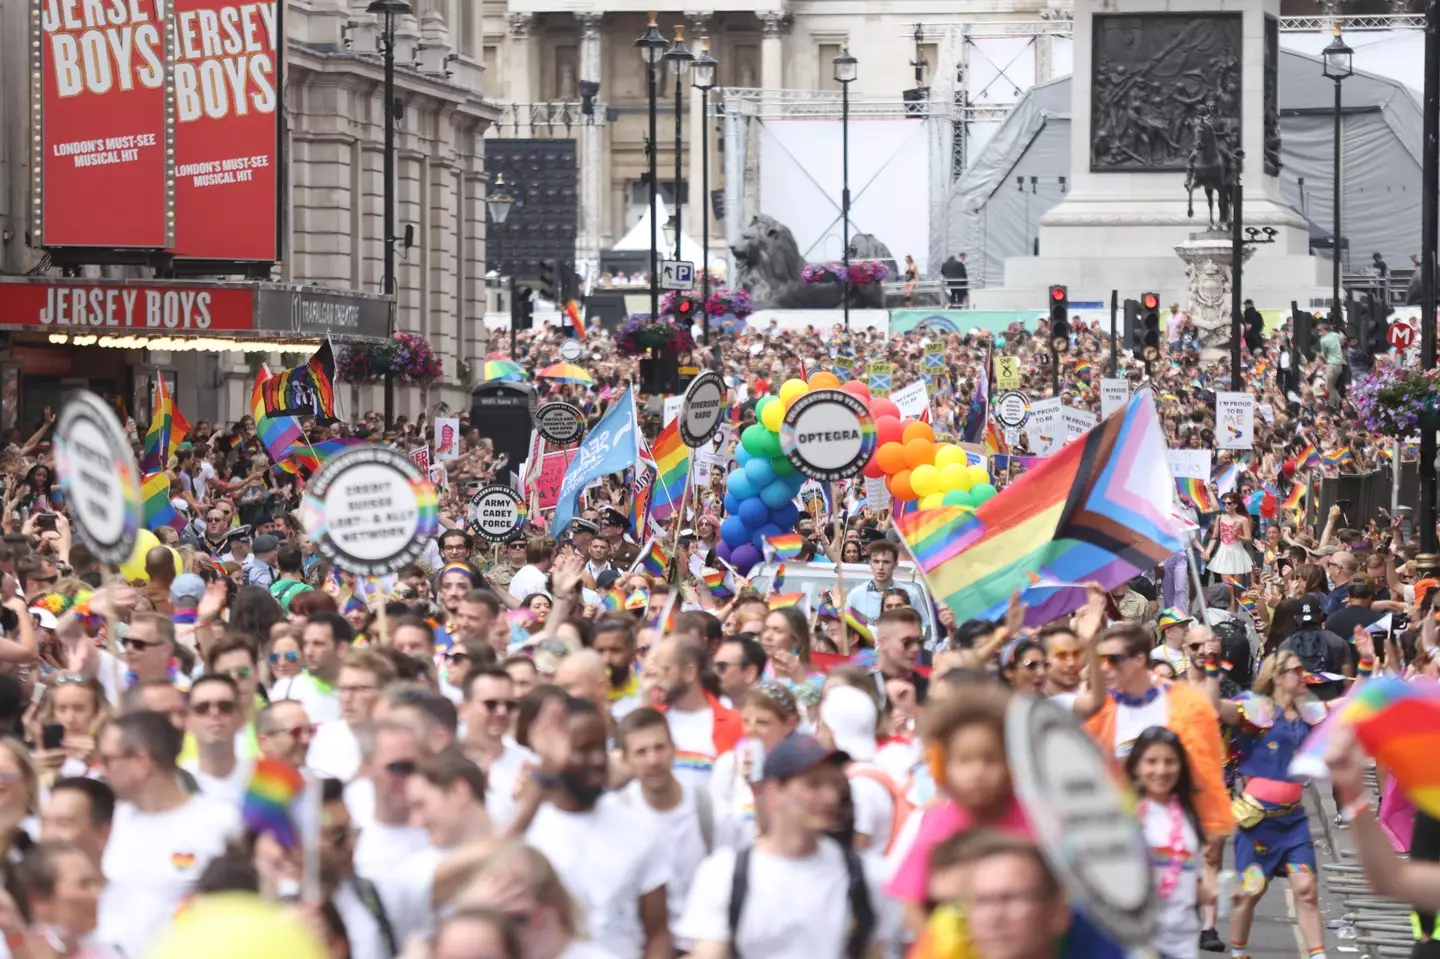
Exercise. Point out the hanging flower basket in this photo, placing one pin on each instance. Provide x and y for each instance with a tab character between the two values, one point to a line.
1397	403
644	332
823	273
861	273
408	356
722	302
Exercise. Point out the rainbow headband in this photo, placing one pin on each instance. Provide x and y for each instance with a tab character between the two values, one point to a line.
457	567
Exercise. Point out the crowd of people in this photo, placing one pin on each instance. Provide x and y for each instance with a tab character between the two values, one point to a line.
542	751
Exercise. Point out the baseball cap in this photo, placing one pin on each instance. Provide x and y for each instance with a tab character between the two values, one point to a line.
1309	612
797	754
1171	617
186	584
850	716
43	617
1217	595
265	542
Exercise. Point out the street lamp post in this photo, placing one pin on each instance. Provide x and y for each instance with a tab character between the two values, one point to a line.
702	78
847	68
389	10
1338	60
499	203
1429	214
652	48
679	57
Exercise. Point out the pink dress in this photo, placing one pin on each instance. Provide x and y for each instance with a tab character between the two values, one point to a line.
911	880
1231	558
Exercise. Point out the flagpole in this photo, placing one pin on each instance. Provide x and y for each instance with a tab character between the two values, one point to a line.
840	570
679	517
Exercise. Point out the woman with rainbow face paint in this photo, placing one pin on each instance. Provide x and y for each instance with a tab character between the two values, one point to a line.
451	584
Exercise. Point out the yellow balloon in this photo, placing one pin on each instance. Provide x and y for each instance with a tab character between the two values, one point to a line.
925	480
978	474
236	925
954	477
947	454
792	390
771	417
933	501
134	567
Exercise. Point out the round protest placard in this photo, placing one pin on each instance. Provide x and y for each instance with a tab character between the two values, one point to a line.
370	510
571	351
704	409
560	423
496	513
1083	817
828	435
98	476
1012	409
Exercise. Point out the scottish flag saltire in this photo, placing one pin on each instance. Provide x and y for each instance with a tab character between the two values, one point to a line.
612	446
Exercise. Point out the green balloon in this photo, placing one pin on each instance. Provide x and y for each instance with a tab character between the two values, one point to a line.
770	444
958	497
982	492
782	466
755	440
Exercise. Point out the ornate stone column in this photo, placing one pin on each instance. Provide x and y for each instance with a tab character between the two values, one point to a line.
699	29
774	25
1209	259
594	161
519	69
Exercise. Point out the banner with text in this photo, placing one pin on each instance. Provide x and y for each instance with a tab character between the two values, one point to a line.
1234	421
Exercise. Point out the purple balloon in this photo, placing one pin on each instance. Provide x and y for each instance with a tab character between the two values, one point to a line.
744	557
722	550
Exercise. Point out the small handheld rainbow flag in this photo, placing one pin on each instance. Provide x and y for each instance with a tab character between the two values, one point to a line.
782	600
638	599
654	559
785	546
777	582
1295	498
1083	368
714	581
1337	457
1309	457
1196	492
614	600
274	786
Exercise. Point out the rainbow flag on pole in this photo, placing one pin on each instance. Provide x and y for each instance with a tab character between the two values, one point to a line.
274	787
167	428
155	495
1196	492
1295	498
1309	457
672	464
785	546
1337	457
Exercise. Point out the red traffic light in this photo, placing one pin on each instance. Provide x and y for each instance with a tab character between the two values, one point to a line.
1150	301
1057	293
684	306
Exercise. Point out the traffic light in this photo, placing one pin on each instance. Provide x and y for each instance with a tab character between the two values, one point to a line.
687	308
545	283
1134	329
522	310
1150	318
1300	332
1059	319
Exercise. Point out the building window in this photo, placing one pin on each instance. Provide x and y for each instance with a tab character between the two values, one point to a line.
562	74
743	66
826	79
468	28
492	68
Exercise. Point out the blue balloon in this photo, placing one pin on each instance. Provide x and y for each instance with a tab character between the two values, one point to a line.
760	472
742	455
732	504
785	516
768	530
740	486
753	512
733	531
795	481
777	494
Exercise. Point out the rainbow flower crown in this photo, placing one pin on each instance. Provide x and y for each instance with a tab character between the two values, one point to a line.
58	605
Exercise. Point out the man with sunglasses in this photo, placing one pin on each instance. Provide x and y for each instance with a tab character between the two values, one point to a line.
149	648
284	732
899	635
215	719
489	710
215	540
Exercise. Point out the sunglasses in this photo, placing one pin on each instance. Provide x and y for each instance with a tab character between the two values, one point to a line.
290	657
297	732
1033	665
1194	647
241	672
457	657
500	705
1068	656
140	645
1115	659
225	707
402	769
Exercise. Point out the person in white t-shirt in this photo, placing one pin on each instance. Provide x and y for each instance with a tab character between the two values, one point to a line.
534	576
326	639
334	750
804	894
848	720
215	718
161	839
489	705
701	727
681	814
600	847
284	732
391	750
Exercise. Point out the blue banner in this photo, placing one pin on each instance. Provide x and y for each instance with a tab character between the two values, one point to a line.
612	446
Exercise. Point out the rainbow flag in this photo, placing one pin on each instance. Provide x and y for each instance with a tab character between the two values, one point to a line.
782	600
1227	479
1295	498
306	390
714	581
672	464
167	429
274	787
785	546
278	434
1082	368
1196	492
640	501
1309	457
1099	510
159	511
654	559
614	600
1337	457
1398	723
572	314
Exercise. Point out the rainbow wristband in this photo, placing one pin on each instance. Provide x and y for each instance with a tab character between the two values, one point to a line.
1365	669
1212	670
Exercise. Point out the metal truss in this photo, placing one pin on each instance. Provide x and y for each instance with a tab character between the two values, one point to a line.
554	119
826	104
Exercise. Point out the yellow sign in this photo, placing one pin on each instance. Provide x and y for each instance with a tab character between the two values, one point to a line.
1007	372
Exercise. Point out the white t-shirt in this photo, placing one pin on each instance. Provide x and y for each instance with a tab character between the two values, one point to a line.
694	737
580	949
1130	722
381	848
608	859
874	806
794	908
334	751
1177	929
528	580
150	864
734	801
500	780
406	888
229	790
361	926
682	842
322	704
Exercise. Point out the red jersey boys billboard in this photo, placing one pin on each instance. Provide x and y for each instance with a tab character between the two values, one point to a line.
103	123
227	99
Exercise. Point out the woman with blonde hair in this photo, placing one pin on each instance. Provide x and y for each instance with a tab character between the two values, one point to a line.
77	705
520	882
770	714
19	801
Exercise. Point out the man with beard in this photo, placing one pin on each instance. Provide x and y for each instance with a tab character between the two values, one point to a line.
1067	664
615	642
603	849
700	726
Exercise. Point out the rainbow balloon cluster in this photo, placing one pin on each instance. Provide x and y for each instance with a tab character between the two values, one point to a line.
915	467
760	493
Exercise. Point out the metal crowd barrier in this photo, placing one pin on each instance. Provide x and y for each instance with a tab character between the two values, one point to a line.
1369	926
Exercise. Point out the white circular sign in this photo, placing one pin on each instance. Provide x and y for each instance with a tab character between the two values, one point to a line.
99	477
560	423
1012	409
571	351
496	512
370	510
828	435
704	409
1083	817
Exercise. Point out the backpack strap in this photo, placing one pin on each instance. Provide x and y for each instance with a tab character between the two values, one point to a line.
705	812
862	914
739	886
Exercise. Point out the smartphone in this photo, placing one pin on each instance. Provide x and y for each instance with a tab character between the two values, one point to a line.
52	735
1344	504
45	521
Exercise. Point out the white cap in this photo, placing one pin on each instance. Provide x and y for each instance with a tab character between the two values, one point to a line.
851	717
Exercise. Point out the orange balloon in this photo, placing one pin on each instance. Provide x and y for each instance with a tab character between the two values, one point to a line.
919	451
899	486
824	380
917	431
891	457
